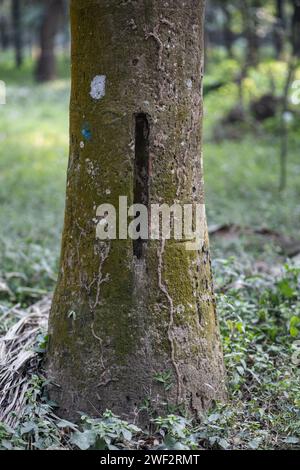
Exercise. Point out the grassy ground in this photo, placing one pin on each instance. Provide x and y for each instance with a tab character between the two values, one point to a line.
259	301
34	149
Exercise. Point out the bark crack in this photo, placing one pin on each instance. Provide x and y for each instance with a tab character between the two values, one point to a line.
171	337
160	46
155	35
101	345
105	249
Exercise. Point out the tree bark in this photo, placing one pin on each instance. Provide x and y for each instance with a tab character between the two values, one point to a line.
127	316
46	64
17	31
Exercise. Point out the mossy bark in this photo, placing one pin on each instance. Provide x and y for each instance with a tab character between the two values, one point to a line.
120	321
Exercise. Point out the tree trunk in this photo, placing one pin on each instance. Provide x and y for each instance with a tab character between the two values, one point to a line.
17	31
296	28
134	321
46	65
4	36
250	27
227	32
279	32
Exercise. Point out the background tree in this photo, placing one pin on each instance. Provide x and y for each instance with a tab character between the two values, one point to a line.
296	28
280	25
46	64
134	319
17	31
249	11
228	34
4	34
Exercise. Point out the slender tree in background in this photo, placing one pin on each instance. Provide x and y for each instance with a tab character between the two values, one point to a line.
4	36
280	25
227	31
283	125
296	28
291	71
46	64
17	31
249	15
126	313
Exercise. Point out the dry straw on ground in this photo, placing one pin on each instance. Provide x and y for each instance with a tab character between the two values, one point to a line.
18	359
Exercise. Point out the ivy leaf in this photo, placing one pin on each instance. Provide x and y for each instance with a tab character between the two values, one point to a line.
254	444
224	444
28	427
285	289
101	444
84	440
213	417
63	424
180	446
127	434
6	444
294	322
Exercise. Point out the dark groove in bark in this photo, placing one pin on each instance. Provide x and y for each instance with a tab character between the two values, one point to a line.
141	172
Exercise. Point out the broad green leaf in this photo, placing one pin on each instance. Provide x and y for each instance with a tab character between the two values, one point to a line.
84	440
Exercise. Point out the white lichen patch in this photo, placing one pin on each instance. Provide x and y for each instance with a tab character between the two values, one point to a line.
98	87
90	167
189	84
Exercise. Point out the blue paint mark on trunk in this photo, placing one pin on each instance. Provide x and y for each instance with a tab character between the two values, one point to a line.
86	132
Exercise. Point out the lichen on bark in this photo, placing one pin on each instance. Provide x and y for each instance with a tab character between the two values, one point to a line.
116	320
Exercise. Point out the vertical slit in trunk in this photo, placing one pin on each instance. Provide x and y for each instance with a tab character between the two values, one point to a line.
141	173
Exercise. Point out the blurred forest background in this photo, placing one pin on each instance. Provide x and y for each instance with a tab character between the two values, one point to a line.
252	179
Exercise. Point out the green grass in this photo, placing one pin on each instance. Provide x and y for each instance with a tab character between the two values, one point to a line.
24	75
242	175
242	188
34	149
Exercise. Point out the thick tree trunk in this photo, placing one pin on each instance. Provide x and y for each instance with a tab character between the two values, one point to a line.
17	31
46	64
128	314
